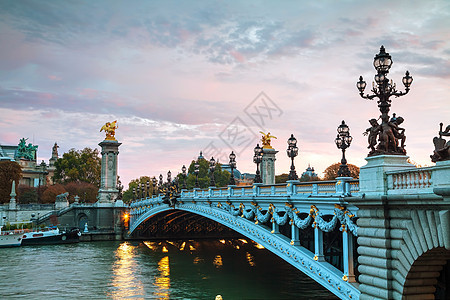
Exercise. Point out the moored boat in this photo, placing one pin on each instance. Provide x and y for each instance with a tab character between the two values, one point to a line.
10	238
52	235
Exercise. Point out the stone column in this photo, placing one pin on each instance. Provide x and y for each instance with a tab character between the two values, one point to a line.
268	166
108	191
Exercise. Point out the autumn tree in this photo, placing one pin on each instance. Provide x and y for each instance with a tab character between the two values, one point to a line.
49	196
9	171
331	172
27	194
78	166
86	191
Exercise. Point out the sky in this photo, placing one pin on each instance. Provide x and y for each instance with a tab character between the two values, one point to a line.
182	77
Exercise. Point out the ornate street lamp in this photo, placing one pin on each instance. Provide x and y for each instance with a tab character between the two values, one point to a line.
161	180
148	189
212	168
196	171
183	169
154	185
169	177
134	194
232	166
142	190
292	152
257	159
343	141
383	89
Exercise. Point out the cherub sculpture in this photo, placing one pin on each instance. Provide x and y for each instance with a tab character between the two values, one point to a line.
110	130
441	146
372	133
266	138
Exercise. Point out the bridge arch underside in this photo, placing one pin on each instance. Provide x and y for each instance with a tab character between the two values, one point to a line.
175	223
429	276
300	256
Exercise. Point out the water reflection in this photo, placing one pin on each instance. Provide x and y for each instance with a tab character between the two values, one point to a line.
163	280
125	282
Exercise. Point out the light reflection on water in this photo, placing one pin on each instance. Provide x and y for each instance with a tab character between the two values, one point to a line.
134	270
124	281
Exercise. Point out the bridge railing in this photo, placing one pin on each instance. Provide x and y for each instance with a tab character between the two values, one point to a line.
411	181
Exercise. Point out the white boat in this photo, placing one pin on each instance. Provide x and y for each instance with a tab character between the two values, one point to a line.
10	238
49	236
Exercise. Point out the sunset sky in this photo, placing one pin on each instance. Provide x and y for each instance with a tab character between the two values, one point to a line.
185	76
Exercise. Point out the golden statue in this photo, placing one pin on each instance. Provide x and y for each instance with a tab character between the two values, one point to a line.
110	130
266	140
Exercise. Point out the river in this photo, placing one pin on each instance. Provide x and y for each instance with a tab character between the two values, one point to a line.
201	269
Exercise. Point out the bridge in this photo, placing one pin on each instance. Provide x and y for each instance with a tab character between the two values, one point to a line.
395	216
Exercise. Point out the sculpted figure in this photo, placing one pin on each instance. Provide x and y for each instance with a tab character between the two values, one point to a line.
110	130
372	133
387	137
266	138
55	150
399	133
441	146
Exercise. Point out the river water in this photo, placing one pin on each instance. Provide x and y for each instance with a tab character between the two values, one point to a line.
201	269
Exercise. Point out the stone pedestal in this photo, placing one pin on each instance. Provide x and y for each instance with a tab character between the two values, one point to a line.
108	191
268	166
372	176
441	179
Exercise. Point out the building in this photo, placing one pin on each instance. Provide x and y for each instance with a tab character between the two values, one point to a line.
33	174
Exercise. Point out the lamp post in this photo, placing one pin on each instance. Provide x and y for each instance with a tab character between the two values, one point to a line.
134	194
212	168
257	159
292	152
183	169
232	166
154	185
148	188
343	141
383	89
196	171
169	177
160	180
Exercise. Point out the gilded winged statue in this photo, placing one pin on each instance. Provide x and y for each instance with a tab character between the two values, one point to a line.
265	139
110	130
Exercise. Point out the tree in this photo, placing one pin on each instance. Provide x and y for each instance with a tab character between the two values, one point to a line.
330	173
27	194
306	178
78	165
281	178
86	191
9	171
49	196
221	177
128	194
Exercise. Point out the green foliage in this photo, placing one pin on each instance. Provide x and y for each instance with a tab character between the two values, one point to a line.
330	173
9	171
307	178
281	178
221	177
128	194
78	165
